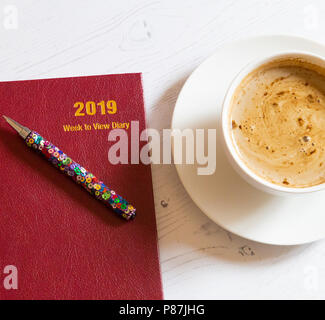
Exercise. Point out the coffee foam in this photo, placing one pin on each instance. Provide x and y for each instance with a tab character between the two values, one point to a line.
278	122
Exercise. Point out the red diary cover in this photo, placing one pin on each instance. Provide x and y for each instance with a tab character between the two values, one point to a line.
64	243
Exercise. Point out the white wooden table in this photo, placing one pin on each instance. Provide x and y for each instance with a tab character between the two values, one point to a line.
166	40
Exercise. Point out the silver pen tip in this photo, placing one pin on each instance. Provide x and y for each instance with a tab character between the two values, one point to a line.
23	131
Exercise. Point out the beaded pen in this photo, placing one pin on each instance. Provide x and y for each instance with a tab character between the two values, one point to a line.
75	171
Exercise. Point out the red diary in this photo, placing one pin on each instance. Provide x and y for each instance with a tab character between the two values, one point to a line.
64	243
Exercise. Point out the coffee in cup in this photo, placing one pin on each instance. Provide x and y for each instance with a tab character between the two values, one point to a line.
277	122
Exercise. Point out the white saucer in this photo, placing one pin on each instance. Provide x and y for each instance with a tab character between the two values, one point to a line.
224	196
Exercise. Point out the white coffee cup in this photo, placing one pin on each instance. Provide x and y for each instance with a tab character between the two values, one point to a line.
233	156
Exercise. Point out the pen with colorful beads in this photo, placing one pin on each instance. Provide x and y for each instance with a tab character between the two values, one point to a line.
75	171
